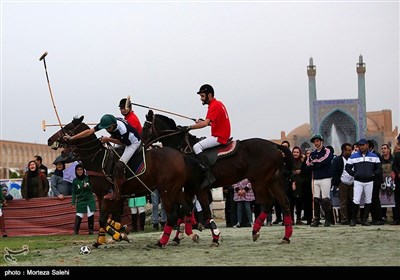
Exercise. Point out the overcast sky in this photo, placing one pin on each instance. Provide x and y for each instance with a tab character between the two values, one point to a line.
254	54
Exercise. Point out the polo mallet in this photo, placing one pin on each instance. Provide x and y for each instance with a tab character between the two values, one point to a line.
128	102
43	57
168	112
44	125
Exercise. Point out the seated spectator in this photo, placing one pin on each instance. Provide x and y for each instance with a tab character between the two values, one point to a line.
59	186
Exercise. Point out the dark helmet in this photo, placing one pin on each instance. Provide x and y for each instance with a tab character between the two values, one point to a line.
316	136
122	103
107	121
206	88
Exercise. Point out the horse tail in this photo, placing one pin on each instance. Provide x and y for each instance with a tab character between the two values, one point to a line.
288	159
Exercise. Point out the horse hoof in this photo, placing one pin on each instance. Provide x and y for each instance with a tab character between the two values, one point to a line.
214	244
124	236
200	227
195	238
159	245
256	236
124	229
285	241
176	241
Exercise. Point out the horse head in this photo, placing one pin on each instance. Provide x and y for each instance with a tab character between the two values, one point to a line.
160	128
78	148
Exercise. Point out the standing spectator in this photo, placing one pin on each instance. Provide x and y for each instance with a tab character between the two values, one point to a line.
137	205
306	176
83	199
3	202
396	170
363	166
59	186
320	162
243	196
287	188
157	217
34	183
376	207
297	183
355	148
388	175
41	167
344	181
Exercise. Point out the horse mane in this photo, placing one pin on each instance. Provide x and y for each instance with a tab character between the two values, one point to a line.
168	121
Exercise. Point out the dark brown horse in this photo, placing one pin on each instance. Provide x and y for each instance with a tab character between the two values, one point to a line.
165	169
260	161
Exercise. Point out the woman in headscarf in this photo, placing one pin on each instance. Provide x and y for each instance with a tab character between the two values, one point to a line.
34	184
83	199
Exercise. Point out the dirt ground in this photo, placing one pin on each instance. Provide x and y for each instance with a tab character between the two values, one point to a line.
323	246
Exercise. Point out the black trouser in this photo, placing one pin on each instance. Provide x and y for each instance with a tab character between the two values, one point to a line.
376	211
396	209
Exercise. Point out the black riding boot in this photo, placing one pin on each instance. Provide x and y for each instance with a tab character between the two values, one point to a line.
142	220
209	178
91	224
327	207
356	208
77	225
317	212
364	218
134	222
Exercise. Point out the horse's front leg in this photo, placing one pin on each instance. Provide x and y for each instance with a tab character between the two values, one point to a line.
172	219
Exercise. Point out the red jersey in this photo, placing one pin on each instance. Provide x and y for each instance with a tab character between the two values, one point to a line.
220	124
133	120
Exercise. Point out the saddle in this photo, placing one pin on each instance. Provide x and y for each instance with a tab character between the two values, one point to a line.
222	151
136	163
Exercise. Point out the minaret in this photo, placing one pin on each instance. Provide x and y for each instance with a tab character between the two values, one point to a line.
361	95
312	93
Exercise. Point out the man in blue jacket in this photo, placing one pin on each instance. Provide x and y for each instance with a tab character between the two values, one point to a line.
364	166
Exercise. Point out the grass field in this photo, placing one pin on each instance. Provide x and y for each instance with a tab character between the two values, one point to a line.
323	246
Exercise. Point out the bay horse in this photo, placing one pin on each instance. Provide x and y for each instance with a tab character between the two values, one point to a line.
165	169
259	160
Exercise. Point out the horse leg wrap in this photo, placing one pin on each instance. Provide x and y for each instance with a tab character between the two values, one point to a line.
188	226
178	231
115	234
214	229
166	234
288	222
259	221
115	225
101	238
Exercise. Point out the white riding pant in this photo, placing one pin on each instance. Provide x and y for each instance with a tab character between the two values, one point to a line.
322	188
209	142
129	151
359	189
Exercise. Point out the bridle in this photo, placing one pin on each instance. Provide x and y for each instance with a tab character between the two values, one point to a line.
155	136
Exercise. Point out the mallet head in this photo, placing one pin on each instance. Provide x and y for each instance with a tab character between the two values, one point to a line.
43	56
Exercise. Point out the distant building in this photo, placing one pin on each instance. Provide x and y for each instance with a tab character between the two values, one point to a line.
14	156
342	120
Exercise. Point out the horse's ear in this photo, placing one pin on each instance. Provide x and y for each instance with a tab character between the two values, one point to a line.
77	120
149	116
